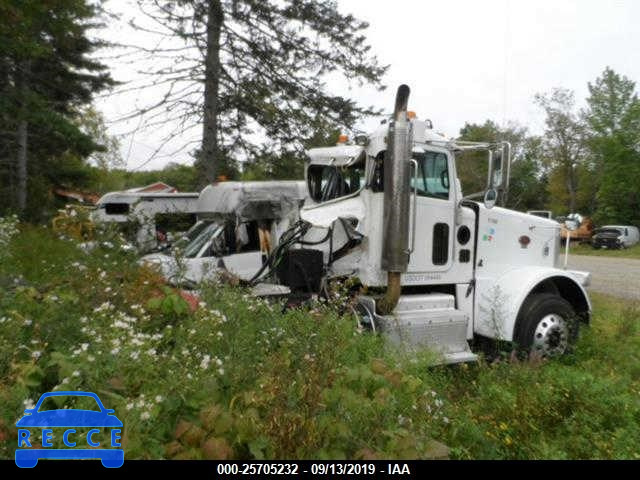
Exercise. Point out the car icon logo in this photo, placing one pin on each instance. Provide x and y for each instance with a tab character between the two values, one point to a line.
67	422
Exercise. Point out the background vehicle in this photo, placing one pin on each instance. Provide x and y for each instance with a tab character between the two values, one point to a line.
240	224
437	269
615	236
576	228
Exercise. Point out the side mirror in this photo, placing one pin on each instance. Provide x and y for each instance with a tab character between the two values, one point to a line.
495	176
490	198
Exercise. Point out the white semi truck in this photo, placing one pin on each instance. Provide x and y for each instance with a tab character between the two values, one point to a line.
437	268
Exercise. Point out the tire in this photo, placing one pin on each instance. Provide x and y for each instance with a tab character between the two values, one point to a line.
547	326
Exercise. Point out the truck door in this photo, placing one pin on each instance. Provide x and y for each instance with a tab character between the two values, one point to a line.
236	247
244	241
435	202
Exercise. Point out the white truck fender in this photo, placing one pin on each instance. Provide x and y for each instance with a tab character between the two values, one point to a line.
498	300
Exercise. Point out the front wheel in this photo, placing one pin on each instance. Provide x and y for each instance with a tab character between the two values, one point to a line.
547	326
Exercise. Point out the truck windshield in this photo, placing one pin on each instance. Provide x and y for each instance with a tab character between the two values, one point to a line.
327	182
203	237
190	235
610	231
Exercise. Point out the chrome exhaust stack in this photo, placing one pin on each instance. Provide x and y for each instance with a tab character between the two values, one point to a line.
397	193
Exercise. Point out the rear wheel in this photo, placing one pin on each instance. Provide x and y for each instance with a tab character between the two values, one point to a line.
547	326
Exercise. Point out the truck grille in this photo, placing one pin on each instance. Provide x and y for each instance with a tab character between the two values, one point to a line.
440	254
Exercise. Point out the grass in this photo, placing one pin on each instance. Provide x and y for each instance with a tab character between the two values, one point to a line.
584	249
237	378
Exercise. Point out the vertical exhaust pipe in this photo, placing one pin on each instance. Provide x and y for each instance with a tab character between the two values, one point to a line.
397	192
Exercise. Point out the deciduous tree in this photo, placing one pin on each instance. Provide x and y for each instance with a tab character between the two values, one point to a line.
613	120
563	141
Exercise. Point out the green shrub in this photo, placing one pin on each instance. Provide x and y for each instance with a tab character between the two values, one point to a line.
237	378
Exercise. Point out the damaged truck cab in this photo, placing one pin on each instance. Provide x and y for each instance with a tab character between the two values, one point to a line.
240	224
446	268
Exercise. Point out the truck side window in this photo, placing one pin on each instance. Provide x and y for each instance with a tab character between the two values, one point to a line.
116	209
433	175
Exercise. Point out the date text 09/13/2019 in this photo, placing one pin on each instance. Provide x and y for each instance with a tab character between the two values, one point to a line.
319	468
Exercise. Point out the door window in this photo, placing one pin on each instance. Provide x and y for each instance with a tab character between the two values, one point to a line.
433	175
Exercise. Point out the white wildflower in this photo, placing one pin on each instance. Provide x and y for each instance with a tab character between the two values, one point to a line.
204	364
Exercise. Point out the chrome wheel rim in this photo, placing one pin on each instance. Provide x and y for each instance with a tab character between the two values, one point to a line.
551	337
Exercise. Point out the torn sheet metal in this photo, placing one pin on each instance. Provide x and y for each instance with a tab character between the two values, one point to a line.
323	216
251	200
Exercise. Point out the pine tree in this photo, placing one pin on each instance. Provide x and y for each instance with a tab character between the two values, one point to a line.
46	73
247	70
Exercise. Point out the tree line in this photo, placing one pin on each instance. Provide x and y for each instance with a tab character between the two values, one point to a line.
249	76
586	160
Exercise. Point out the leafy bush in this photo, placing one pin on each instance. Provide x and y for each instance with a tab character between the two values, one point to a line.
237	378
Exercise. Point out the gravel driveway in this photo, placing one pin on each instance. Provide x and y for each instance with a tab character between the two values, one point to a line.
614	276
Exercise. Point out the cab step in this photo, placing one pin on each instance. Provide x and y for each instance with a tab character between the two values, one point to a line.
426	321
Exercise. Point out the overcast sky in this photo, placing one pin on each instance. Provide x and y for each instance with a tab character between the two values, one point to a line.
465	60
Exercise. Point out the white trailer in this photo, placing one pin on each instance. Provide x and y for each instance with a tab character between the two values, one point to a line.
240	224
439	268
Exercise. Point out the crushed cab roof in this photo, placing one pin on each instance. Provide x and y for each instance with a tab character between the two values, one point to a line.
340	155
251	200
